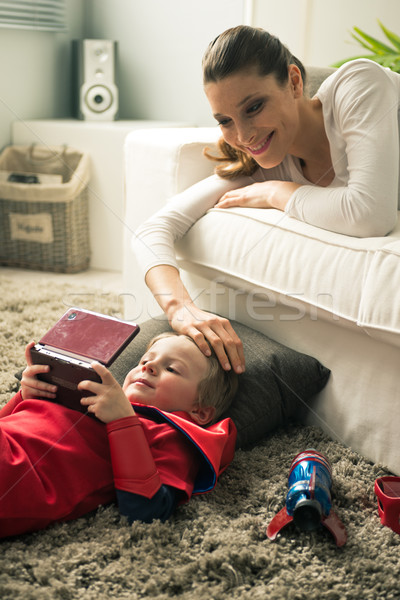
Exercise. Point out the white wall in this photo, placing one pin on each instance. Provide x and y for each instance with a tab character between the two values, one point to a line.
35	72
161	43
318	31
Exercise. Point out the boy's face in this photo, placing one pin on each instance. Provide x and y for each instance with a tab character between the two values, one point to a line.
168	375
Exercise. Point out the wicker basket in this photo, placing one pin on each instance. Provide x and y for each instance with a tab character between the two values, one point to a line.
45	226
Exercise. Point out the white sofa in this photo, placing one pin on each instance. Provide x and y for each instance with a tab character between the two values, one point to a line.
334	297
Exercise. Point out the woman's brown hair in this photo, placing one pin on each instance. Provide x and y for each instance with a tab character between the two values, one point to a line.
238	49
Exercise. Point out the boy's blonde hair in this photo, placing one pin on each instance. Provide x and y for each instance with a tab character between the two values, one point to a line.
218	388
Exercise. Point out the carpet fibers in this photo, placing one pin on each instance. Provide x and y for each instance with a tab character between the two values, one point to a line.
215	547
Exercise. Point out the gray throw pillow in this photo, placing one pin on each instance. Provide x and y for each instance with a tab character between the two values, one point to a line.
277	383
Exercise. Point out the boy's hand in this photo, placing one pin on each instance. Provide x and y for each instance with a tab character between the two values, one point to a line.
31	387
109	402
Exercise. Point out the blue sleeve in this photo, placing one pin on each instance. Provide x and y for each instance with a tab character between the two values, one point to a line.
140	508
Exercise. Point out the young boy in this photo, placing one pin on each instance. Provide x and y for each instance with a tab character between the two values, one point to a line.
152	454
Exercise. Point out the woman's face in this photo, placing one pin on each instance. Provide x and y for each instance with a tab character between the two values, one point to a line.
256	114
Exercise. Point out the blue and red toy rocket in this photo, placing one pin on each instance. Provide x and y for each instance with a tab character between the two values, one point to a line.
308	501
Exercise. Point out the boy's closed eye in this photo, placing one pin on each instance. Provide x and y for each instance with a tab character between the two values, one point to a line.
169	368
172	370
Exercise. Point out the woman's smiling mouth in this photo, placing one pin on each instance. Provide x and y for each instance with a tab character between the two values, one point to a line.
262	147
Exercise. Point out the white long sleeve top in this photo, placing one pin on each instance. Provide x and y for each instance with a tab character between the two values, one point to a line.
360	103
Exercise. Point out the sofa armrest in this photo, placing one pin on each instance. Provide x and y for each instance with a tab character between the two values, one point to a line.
159	163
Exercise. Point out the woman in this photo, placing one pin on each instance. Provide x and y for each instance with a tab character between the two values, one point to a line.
331	161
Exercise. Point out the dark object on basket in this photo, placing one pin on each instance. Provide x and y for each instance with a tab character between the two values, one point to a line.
308	501
44	226
23	178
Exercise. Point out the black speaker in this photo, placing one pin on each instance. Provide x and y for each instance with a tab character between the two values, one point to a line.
95	93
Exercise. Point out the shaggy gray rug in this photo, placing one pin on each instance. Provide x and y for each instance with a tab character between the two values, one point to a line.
214	547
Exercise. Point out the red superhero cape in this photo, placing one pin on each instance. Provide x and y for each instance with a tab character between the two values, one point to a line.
55	462
215	443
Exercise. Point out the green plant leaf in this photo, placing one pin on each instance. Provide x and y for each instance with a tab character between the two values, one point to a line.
392	61
374	44
392	37
380	52
361	42
386	61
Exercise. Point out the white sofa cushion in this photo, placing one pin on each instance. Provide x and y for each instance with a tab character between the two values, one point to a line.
355	404
265	251
323	273
379	311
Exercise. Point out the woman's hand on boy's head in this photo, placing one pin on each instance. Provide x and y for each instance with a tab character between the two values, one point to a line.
109	401
208	329
31	386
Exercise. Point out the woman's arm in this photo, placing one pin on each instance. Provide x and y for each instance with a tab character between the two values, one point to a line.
263	194
185	317
153	242
362	113
153	245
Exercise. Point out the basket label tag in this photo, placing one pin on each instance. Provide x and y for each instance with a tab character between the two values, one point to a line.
32	228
